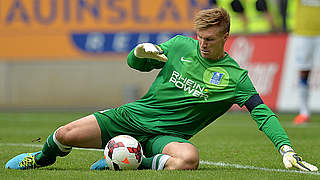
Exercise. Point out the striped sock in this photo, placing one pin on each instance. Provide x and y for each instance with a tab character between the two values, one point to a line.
63	148
156	162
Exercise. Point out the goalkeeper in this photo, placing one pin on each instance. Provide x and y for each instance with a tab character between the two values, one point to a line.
198	82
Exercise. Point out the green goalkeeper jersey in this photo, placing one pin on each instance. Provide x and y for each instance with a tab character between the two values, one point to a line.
189	92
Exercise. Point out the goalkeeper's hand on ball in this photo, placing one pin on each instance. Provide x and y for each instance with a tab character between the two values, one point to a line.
291	159
151	51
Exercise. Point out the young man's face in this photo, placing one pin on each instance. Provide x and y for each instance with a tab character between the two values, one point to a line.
211	42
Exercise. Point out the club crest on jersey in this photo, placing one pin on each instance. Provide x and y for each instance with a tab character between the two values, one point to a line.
216	78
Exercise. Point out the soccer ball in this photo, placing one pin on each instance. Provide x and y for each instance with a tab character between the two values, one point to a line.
123	152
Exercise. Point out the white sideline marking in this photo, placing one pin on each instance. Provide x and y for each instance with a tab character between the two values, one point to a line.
239	166
220	164
40	145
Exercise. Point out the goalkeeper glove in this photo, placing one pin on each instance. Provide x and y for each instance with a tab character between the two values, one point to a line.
290	159
148	50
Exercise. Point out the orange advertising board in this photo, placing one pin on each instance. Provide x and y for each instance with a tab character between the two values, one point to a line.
32	29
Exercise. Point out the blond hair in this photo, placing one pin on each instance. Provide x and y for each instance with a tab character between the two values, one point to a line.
212	17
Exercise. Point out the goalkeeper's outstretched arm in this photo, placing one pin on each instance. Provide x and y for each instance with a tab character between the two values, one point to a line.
270	125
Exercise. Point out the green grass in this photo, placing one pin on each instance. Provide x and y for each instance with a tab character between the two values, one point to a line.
232	139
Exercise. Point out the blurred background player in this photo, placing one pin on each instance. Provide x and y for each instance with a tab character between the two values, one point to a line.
261	6
307	44
283	5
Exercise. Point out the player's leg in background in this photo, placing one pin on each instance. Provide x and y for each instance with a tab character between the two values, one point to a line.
304	57
84	133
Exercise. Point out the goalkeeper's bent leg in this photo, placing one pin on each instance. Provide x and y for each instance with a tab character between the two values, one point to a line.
51	149
84	132
184	156
174	156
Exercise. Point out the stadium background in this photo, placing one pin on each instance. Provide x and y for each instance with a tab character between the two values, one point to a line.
71	54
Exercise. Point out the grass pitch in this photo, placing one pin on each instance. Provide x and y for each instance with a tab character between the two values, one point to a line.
230	148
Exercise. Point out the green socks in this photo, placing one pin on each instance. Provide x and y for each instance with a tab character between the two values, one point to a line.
51	149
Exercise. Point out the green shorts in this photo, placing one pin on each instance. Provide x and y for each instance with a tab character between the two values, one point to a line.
112	126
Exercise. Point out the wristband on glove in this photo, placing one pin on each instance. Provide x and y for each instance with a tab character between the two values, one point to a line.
290	159
284	149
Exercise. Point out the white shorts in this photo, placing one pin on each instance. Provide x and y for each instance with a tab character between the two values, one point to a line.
307	51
